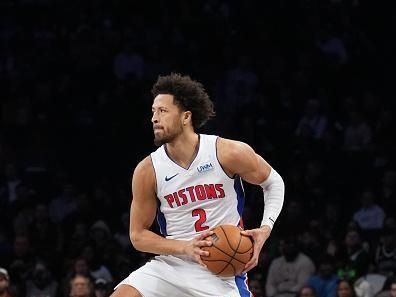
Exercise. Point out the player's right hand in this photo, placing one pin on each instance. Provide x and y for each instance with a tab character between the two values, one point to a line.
259	236
193	248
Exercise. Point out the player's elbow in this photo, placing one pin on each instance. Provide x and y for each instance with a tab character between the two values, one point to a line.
136	240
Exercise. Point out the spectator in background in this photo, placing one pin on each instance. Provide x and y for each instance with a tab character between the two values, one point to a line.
370	216
307	291
311	242
288	273
45	235
22	258
332	220
325	281
392	288
41	282
23	209
356	263
388	189
345	289
100	235
8	186
357	134
239	86
128	64
385	253
121	237
64	205
104	249
103	199
363	287
355	258
314	174
4	283
76	238
313	123
79	266
98	269
123	265
81	286
389	289
293	218
102	288
331	45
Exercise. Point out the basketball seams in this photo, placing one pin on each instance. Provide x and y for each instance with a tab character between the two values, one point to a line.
229	243
232	257
226	251
236	251
244	252
225	266
219	260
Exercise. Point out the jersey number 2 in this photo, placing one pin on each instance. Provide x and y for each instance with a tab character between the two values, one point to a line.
201	214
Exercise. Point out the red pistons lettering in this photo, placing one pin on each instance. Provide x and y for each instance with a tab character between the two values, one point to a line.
195	193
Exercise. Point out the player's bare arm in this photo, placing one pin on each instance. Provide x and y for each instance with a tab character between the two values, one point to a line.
142	216
238	158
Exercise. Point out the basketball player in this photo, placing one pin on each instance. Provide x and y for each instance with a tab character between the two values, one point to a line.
192	183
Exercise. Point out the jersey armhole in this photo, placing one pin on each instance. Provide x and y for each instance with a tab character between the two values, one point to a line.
155	176
222	168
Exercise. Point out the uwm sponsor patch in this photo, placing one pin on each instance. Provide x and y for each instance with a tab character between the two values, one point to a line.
205	167
195	193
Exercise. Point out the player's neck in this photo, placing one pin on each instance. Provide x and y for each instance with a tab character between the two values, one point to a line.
183	149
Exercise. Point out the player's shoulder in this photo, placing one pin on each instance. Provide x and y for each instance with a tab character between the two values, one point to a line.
144	167
231	147
143	179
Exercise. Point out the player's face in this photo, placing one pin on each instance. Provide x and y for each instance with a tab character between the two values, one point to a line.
166	119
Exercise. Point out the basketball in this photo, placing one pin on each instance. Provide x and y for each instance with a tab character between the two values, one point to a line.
229	252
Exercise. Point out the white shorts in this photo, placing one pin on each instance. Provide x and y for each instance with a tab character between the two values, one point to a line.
170	276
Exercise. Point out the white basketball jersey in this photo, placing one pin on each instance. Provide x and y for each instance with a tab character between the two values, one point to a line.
200	197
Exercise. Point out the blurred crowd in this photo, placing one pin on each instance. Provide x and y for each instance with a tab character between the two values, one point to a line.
306	83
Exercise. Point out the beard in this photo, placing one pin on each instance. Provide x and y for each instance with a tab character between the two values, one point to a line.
158	141
166	138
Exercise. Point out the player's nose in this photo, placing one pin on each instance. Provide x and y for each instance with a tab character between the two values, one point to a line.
154	118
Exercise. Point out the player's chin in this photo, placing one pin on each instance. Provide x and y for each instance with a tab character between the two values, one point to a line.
158	140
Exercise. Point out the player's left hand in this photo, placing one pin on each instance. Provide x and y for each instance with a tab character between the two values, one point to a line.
259	236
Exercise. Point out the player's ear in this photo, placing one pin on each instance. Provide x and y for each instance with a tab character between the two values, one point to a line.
187	117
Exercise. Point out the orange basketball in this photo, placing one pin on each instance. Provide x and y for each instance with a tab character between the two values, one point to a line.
229	252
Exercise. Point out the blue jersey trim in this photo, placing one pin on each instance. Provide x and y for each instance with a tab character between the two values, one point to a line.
240	194
217	157
241	283
161	220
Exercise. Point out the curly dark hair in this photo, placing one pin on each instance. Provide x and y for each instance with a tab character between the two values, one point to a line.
188	94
